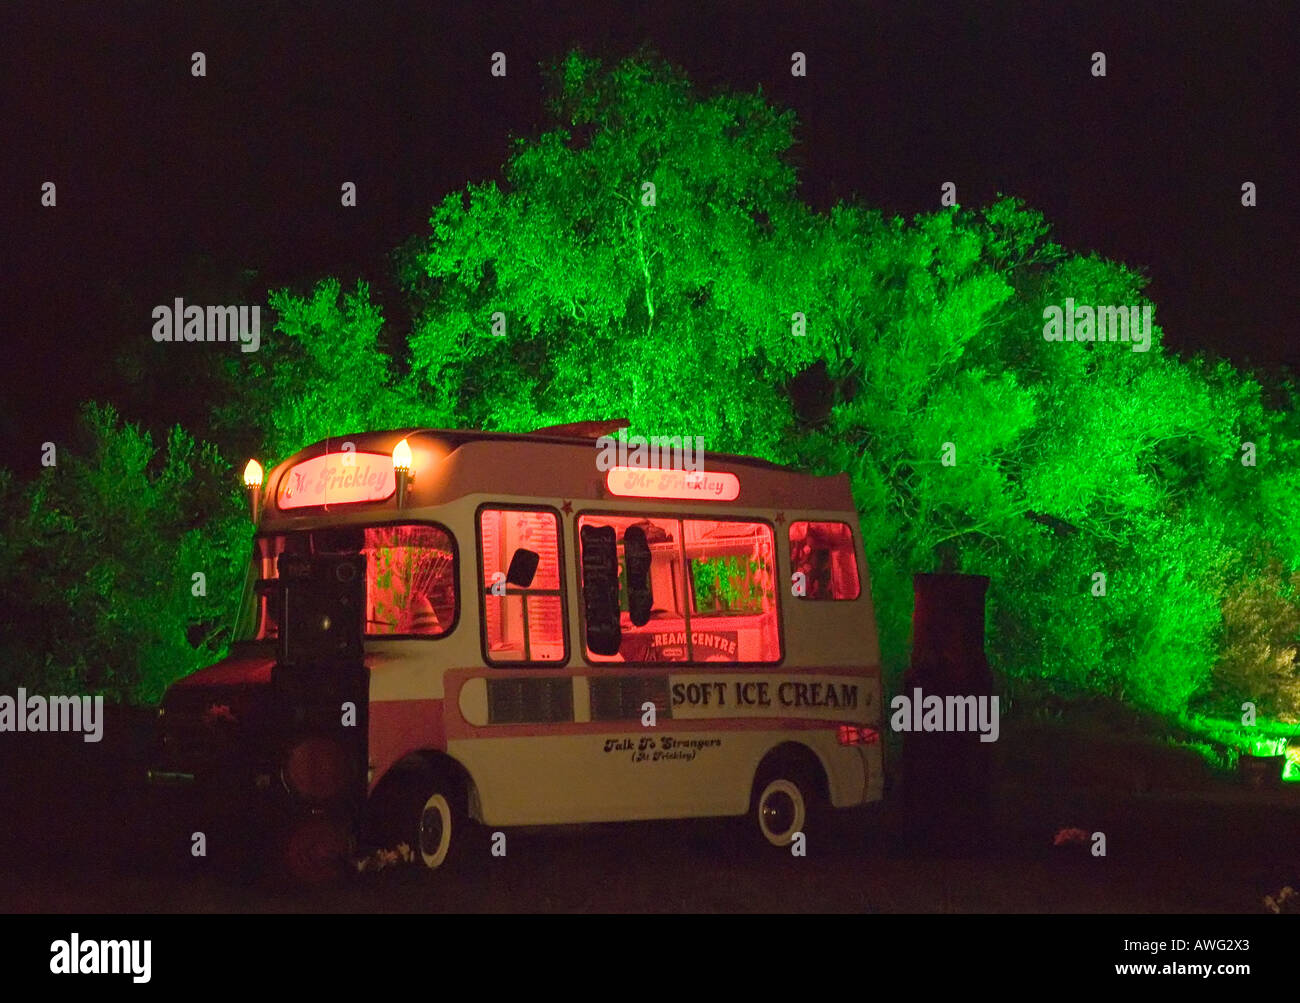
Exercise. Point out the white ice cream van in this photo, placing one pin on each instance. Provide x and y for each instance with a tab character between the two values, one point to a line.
445	628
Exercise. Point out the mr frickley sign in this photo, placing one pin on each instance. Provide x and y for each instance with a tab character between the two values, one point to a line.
338	479
687	485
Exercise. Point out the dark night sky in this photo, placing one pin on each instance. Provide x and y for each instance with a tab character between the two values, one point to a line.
167	183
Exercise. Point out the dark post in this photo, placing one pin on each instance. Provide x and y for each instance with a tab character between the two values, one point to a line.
946	774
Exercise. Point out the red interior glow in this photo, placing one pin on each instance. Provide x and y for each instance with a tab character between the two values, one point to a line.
712	587
524	623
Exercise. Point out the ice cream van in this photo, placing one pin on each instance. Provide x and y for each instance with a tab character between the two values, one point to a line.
444	631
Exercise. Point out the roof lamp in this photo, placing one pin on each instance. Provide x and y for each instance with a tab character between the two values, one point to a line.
253	486
402	470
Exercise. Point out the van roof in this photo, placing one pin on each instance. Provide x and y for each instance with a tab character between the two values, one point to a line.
451	463
578	433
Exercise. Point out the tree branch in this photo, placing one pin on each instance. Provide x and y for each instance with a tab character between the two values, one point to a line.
645	270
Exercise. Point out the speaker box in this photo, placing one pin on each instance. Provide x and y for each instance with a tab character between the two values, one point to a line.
600	589
322	608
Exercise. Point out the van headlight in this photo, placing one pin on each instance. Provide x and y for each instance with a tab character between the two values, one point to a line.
317	769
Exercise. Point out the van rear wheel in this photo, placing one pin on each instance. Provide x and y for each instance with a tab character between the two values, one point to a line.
780	806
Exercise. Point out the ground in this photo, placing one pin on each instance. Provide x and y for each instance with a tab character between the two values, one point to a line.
79	836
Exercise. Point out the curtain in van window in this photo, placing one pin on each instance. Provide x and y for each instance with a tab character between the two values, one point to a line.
823	553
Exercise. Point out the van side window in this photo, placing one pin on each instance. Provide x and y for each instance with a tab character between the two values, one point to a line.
823	553
410	584
733	594
523	610
651	624
691	590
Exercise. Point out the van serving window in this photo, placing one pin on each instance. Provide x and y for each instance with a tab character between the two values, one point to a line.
733	594
523	607
707	594
823	553
410	577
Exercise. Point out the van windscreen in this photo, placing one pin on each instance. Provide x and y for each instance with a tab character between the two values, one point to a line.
410	577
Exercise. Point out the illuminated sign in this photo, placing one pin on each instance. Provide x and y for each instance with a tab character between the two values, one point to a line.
688	485
338	479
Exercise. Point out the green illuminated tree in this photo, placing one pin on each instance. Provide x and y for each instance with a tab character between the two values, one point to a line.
1262	634
648	255
613	305
101	553
324	372
1071	459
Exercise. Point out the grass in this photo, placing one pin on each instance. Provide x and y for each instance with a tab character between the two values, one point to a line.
1267	738
1069	738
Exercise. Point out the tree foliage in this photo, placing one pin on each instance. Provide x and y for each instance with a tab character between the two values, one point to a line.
1071	459
100	554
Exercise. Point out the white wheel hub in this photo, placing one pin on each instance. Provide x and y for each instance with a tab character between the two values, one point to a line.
435	831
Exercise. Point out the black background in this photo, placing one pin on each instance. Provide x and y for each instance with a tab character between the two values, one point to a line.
790	954
228	185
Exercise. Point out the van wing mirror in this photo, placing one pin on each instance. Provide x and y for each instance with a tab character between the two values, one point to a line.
600	589
523	567
636	551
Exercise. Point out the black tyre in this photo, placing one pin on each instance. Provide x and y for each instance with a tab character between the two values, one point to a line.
425	810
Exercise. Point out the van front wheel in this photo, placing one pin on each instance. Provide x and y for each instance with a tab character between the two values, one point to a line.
439	827
424	809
